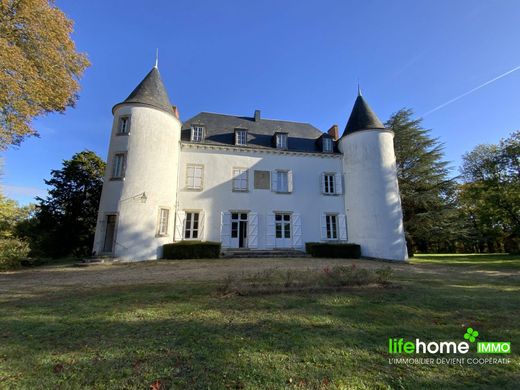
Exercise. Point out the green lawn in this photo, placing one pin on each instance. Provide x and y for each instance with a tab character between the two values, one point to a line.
189	337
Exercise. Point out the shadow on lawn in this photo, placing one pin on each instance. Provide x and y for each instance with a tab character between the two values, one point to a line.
186	336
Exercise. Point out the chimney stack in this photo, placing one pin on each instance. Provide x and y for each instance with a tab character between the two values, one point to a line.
257	115
334	132
175	111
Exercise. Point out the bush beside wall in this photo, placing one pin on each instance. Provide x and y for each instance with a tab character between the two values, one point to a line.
192	250
325	249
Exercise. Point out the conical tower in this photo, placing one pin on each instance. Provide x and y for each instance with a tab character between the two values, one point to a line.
372	199
139	192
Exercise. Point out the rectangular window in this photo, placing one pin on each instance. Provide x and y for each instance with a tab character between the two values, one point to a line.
327	145
164	215
282	225
240	137
281	141
329	185
331	221
118	169
282	183
191	226
240	179
194	177
197	134
123	126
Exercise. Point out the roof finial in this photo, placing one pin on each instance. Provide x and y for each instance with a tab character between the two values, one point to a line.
358	89
156	58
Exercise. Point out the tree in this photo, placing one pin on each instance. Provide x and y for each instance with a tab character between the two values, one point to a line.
40	67
66	219
11	215
490	194
428	194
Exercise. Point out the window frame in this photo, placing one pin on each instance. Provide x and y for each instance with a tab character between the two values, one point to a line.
330	142
191	228
123	119
194	129
236	178
278	175
187	183
327	184
284	141
162	228
238	133
331	227
122	170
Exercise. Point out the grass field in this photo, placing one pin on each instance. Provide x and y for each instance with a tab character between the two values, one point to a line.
188	336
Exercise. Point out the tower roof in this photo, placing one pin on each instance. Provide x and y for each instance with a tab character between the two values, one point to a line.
362	117
151	92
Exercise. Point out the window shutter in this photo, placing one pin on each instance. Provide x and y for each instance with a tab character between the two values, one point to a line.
274	181
297	231
225	229
338	179
179	225
270	231
322	182
201	225
253	230
289	181
342	227
323	226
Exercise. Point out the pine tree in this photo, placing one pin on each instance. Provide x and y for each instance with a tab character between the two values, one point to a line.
428	194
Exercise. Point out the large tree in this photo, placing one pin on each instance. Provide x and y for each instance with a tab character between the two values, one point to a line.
427	191
66	219
40	66
490	194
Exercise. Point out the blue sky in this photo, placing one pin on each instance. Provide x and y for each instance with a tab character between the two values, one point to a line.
294	60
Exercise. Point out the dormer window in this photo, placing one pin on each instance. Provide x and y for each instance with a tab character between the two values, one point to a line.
240	137
123	125
197	133
281	140
327	145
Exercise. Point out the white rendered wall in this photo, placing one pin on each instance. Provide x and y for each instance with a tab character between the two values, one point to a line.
217	195
373	203
152	148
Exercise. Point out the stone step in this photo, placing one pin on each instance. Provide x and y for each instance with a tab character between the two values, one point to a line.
251	253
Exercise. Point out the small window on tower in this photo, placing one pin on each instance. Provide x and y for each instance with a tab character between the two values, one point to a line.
197	134
123	125
118	166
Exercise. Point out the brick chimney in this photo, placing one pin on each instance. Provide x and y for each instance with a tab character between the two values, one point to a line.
257	115
175	111
333	132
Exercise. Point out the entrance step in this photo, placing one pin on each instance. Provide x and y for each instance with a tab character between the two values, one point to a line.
252	253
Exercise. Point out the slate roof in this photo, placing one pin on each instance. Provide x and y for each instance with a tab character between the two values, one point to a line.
362	117
220	130
151	92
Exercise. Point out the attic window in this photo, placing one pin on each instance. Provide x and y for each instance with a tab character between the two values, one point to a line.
281	140
197	134
327	145
240	137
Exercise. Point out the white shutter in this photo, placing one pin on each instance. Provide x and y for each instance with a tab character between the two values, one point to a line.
253	230
297	230
225	229
338	183
342	226
269	242
289	181
274	181
322	182
179	225
201	225
323	226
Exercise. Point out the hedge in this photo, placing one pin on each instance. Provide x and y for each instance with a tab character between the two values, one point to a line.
192	250
322	249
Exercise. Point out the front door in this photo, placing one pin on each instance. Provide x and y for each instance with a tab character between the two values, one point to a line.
282	224
110	231
239	230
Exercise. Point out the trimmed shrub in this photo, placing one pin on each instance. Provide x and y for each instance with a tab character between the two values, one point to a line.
192	250
12	253
325	249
